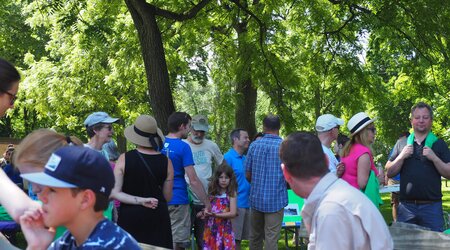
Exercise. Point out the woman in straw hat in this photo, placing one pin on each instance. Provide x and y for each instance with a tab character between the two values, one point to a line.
144	185
357	154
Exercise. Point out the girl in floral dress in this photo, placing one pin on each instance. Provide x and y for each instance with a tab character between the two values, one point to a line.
218	234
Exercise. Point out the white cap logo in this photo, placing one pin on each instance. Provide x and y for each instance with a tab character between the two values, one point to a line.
53	162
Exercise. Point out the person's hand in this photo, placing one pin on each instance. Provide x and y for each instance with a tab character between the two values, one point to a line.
406	151
429	153
340	169
207	207
381	177
149	202
36	234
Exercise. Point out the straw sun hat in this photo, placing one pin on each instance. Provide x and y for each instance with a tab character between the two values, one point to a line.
144	132
358	122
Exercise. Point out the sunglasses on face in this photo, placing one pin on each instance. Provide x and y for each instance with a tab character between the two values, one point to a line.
108	126
374	130
12	97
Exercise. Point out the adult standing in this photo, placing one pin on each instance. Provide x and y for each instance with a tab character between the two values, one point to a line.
235	158
142	175
357	156
268	194
100	131
205	153
180	154
327	127
336	215
421	160
9	86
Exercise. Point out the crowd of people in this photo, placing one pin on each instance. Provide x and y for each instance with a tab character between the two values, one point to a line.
171	185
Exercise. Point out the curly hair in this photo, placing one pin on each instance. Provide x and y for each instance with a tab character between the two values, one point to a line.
214	187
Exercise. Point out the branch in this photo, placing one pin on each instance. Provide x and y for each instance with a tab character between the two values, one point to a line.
180	16
262	32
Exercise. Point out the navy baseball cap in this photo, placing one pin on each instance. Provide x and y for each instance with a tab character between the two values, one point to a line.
76	167
99	117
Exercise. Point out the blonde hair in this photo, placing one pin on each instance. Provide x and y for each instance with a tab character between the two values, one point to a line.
36	148
362	137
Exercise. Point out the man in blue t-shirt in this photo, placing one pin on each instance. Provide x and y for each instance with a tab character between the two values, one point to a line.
77	182
235	158
180	154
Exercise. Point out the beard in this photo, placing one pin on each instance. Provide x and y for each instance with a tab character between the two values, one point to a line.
197	139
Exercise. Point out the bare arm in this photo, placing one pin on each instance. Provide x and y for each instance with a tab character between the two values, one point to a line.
442	168
363	170
197	186
13	199
168	183
116	193
233	210
394	167
248	176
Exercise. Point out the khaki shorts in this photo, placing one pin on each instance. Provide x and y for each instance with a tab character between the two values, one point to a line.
395	196
181	224
241	224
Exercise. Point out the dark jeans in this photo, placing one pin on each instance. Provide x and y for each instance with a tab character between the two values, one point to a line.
198	224
425	215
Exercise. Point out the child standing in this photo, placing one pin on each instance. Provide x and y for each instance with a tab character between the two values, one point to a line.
218	232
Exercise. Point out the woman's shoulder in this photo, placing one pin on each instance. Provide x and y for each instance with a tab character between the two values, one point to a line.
359	148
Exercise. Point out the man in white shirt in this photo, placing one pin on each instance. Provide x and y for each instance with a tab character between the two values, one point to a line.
336	215
327	127
205	153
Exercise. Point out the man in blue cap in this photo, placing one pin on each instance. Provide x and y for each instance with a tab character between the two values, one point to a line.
76	184
100	130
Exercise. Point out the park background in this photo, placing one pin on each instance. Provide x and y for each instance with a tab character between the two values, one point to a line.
232	60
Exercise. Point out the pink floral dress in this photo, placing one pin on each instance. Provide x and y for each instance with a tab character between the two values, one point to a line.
218	234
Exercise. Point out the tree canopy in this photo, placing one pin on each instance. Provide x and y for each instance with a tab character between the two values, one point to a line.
233	60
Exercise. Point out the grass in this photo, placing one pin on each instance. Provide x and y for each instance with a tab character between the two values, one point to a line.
385	210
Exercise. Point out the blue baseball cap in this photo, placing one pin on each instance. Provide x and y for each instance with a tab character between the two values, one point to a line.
76	167
99	117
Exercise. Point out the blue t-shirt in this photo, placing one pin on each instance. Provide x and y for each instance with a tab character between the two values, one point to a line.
236	161
106	235
180	154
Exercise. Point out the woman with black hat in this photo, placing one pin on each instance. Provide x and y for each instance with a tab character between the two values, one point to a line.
144	180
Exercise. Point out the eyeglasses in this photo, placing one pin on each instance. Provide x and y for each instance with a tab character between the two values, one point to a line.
374	130
108	126
13	97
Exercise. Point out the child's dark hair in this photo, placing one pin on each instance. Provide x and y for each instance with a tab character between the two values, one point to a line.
214	188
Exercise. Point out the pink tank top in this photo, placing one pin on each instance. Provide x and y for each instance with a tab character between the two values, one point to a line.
351	164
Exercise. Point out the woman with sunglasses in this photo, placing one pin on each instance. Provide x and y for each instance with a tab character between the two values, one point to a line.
9	85
358	159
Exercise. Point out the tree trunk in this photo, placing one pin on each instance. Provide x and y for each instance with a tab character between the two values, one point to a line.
246	93
160	94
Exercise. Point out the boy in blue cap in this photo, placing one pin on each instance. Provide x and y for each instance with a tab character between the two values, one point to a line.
77	182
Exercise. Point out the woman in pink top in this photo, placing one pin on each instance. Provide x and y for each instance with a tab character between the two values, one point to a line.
356	155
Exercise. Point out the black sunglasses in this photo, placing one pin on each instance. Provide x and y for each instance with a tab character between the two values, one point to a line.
13	97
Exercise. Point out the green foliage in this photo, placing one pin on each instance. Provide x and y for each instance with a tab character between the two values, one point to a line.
305	58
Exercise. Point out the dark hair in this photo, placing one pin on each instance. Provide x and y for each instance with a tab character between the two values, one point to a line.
101	201
235	134
271	122
404	133
342	139
421	105
176	119
96	127
213	186
259	134
303	156
8	75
